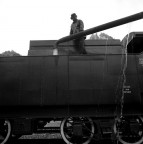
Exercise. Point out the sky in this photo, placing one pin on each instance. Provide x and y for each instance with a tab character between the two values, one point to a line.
25	20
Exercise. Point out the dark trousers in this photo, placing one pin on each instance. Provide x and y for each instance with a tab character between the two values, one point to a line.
79	46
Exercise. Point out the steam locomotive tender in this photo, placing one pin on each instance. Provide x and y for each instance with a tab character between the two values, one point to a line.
93	96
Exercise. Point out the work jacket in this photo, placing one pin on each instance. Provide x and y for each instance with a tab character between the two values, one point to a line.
77	27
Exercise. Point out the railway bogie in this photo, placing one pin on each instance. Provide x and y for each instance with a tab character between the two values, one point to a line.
84	130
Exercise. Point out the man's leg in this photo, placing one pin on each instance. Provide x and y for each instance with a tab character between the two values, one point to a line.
76	45
82	46
79	46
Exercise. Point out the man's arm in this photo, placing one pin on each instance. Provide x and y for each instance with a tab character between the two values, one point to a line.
81	27
71	32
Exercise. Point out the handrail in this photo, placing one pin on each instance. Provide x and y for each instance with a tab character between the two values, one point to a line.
102	27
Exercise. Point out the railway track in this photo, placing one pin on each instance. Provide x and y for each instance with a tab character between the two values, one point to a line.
37	141
54	138
50	141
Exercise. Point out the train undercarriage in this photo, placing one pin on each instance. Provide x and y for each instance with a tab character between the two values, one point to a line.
82	130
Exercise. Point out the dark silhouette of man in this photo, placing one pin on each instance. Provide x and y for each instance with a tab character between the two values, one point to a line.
76	27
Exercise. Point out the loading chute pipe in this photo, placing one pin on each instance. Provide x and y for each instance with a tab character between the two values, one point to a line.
102	27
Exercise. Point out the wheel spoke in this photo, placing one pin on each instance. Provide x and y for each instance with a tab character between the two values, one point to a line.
68	132
129	131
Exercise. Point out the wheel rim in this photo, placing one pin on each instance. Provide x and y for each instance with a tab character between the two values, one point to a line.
5	131
129	131
67	130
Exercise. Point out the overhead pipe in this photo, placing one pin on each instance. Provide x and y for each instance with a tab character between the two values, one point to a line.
102	27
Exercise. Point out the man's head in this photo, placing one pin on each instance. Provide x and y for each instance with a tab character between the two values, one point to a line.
74	17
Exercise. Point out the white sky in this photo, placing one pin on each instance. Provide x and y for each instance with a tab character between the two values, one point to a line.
25	20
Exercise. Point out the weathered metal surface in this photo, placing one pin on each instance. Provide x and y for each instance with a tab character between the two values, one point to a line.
45	48
70	84
66	80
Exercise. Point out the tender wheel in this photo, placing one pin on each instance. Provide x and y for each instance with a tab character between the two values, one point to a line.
77	130
5	131
129	131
